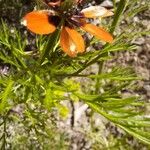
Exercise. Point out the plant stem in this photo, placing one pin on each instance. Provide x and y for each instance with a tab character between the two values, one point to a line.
118	13
97	85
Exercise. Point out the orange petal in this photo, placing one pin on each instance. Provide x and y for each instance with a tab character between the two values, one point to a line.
96	11
98	32
77	39
64	42
38	22
71	42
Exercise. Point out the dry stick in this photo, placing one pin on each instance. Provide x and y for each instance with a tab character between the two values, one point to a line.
72	114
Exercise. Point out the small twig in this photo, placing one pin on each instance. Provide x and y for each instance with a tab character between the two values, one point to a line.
72	114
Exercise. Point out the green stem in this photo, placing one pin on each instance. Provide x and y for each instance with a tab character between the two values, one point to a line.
118	13
97	85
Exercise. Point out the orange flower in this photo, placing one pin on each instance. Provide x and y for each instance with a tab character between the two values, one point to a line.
71	42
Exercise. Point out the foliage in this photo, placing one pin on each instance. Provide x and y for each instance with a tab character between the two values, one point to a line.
40	78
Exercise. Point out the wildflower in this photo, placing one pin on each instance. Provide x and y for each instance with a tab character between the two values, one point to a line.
71	42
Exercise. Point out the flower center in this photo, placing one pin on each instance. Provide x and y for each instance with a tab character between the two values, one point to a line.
71	15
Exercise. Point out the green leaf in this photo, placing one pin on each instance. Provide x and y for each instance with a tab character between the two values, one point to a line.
5	96
63	110
136	10
117	103
50	46
88	97
121	74
118	13
143	136
48	100
130	124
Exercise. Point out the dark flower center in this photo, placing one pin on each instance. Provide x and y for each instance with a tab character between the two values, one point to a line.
72	16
